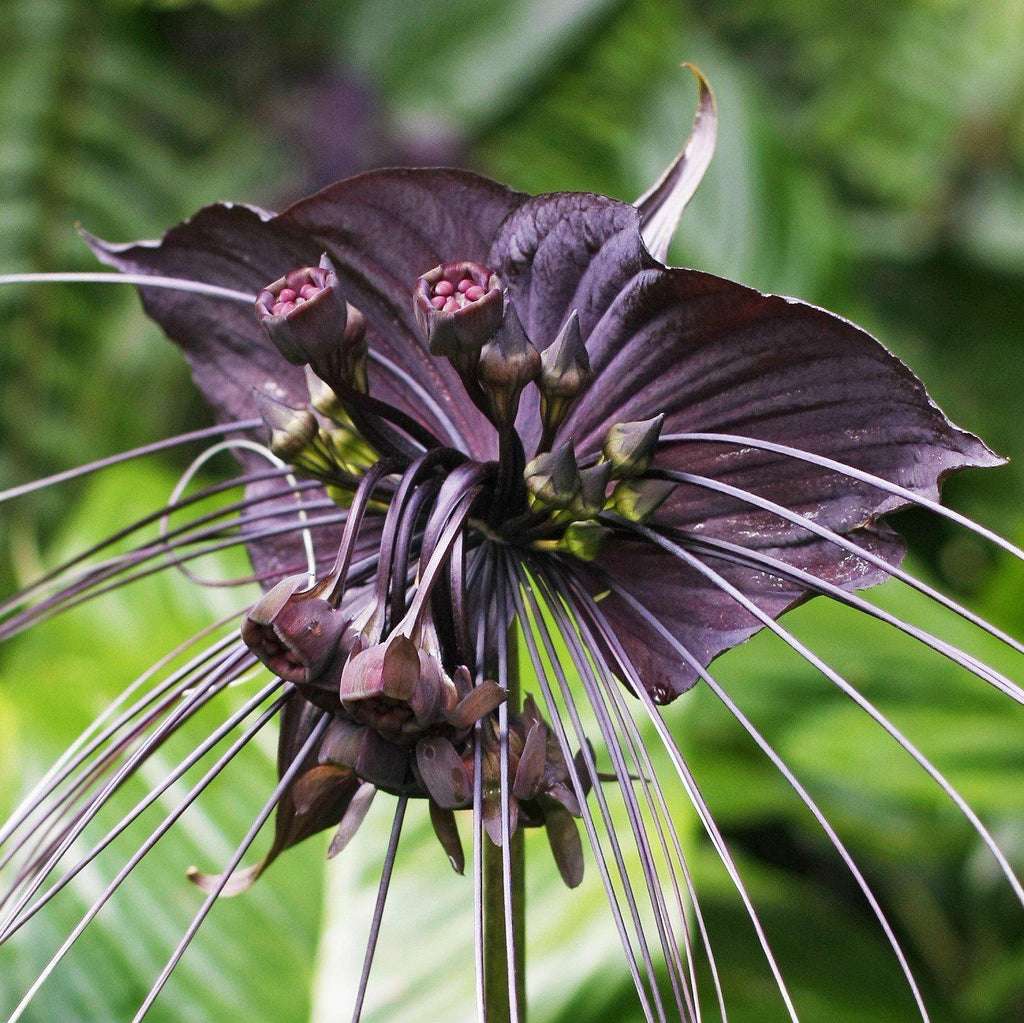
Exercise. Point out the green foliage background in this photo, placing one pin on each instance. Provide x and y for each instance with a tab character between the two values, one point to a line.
871	160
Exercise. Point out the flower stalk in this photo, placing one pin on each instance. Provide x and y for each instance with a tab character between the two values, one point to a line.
500	1007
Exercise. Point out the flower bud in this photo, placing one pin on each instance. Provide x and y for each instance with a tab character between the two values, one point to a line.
304	313
294	631
591	499
388	670
292	430
553	478
507	364
565	372
630	446
584	540
458	307
323	398
637	500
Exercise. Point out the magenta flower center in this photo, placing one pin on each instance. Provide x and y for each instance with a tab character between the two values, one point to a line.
455	290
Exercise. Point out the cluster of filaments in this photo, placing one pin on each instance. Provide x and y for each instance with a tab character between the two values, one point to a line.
398	640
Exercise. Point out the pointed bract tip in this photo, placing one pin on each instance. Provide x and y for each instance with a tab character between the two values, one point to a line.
566	371
553	478
629	447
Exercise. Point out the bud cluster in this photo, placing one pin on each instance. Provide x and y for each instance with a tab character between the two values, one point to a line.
574	498
400	722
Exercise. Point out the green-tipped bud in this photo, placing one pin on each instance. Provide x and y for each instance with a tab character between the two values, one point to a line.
553	478
292	430
591	499
637	500
507	364
323	398
584	540
629	447
565	372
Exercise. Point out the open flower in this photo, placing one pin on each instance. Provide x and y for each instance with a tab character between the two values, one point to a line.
528	428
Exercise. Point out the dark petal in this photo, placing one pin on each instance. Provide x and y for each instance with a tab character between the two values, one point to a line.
443	773
476	704
237	247
663	204
530	771
563	252
716	356
447	831
317	800
566	847
706	620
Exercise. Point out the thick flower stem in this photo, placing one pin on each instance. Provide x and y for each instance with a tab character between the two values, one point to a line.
495	962
496	993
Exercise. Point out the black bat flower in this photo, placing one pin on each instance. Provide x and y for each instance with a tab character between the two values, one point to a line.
515	424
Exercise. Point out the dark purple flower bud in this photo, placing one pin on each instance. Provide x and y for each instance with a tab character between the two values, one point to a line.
397	689
565	372
385	670
584	540
630	446
593	490
304	313
459	307
638	500
507	364
553	478
294	631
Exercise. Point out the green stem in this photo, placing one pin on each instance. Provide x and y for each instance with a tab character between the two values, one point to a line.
495	961
496	1000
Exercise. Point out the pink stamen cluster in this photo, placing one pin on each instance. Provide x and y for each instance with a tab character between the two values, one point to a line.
294	294
455	292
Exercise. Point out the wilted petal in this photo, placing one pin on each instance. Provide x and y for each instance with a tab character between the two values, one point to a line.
317	800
